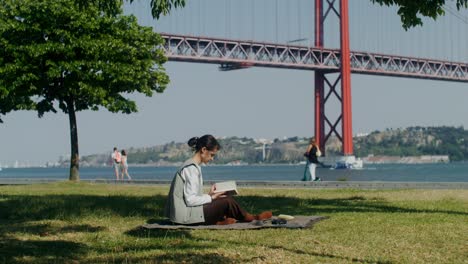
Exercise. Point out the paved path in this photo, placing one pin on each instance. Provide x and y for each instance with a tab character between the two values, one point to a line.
277	184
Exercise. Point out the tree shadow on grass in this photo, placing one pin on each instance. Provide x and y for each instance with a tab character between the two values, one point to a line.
23	208
39	251
310	252
177	240
44	230
215	258
69	207
17	212
324	207
172	257
158	233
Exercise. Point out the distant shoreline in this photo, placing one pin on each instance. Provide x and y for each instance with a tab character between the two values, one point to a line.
155	165
371	185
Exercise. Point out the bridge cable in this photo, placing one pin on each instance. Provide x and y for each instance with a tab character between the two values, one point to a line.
202	17
449	19
463	19
253	22
198	20
265	34
226	19
190	19
288	22
276	22
453	12
299	19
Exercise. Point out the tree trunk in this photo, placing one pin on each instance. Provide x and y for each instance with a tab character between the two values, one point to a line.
74	157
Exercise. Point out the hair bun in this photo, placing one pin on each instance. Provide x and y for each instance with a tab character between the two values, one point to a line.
206	141
193	142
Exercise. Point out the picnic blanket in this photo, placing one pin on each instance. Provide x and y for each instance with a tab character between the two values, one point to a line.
299	221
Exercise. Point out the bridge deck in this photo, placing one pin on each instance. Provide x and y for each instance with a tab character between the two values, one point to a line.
233	54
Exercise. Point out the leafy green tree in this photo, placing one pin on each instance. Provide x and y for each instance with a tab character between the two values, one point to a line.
411	10
112	7
163	7
58	55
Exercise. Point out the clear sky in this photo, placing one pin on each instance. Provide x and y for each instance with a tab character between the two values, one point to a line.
258	102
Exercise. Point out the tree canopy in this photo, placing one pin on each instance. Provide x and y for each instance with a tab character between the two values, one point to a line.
410	11
158	7
56	55
163	7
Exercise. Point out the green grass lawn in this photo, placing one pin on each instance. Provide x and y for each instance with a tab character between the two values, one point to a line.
98	223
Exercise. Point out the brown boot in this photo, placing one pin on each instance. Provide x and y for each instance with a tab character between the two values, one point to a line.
249	218
227	221
264	215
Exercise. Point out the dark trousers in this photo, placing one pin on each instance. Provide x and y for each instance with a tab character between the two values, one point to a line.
221	208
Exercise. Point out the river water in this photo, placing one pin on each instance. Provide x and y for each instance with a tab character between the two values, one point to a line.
444	172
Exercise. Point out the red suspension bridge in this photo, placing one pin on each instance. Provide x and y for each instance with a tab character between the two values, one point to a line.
236	54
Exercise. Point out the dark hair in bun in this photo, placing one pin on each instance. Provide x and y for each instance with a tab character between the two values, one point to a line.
207	141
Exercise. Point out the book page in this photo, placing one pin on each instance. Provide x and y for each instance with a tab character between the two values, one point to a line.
230	187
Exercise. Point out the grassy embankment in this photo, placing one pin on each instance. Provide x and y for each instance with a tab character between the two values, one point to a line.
80	222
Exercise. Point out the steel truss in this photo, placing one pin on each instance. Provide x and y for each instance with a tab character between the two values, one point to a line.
241	54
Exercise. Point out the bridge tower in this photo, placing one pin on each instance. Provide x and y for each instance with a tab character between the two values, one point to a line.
321	94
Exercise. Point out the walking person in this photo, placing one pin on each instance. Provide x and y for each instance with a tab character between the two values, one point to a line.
116	159
124	165
312	153
187	204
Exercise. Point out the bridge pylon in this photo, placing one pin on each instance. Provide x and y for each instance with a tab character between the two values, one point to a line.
321	94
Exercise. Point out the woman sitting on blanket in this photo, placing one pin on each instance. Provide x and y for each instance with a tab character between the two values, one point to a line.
186	202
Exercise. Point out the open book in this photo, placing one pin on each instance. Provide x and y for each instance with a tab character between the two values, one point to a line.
230	187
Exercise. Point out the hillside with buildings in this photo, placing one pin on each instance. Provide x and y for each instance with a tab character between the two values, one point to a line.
415	141
409	145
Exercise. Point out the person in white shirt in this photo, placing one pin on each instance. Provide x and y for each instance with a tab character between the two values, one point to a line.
187	204
116	158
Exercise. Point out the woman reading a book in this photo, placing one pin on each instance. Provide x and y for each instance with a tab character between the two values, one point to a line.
186	202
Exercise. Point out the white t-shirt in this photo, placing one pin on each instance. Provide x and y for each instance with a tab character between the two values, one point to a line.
116	157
